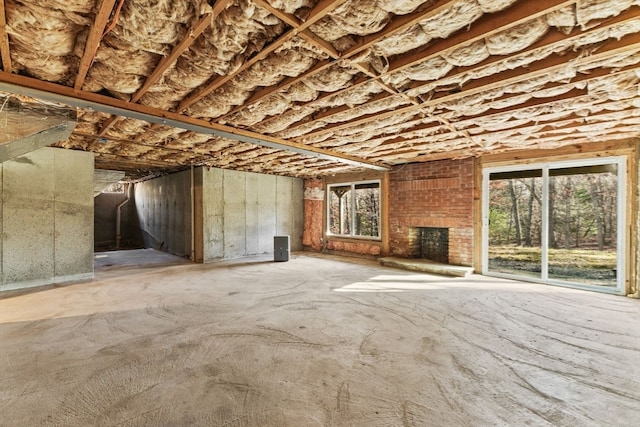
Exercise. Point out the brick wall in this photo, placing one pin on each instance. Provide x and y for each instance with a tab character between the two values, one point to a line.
432	194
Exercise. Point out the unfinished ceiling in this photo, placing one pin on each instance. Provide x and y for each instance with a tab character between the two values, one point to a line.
308	88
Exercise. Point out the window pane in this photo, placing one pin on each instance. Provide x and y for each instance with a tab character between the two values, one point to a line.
340	209
367	212
583	224
515	223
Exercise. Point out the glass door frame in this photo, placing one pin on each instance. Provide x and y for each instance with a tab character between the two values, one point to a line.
621	244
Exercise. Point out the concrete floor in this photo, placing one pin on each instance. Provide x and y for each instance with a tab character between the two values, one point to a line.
316	341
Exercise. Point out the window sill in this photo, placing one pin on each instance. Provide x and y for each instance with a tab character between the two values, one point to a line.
339	238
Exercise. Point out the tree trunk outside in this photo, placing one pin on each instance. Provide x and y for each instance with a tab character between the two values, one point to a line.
516	215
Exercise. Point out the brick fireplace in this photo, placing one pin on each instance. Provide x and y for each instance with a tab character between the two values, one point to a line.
430	243
430	196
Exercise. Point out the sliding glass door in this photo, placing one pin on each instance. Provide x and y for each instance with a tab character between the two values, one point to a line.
557	223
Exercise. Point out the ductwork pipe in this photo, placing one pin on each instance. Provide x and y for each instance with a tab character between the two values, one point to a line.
119	214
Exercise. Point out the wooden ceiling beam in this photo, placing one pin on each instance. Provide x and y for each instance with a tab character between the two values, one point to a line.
572	94
469	122
295	23
321	9
203	23
398	24
93	41
574	134
536	130
550	65
283	85
549	40
192	150
4	40
137	161
65	95
509	154
486	25
200	26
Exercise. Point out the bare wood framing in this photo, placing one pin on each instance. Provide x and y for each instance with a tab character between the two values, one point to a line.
397	25
93	41
295	23
622	131
63	94
4	40
319	11
549	65
203	23
485	26
547	41
534	102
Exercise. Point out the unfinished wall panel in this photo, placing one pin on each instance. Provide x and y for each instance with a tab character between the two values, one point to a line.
213	214
164	212
244	210
235	218
267	209
28	217
47	218
73	183
252	214
105	208
289	205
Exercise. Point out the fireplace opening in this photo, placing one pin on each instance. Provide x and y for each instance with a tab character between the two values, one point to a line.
434	244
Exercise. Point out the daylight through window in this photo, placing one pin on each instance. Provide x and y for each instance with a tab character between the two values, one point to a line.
354	209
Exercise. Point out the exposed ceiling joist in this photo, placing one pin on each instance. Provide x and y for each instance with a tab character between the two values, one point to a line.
65	95
552	64
4	40
552	39
572	92
360	81
93	41
203	23
398	24
295	23
486	26
531	131
321	9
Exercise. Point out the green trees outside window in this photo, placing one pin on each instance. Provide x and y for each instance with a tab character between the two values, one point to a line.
354	209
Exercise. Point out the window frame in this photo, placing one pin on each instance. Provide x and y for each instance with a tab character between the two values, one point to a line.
546	166
353	185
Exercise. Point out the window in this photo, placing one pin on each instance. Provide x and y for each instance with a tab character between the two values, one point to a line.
558	223
354	209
